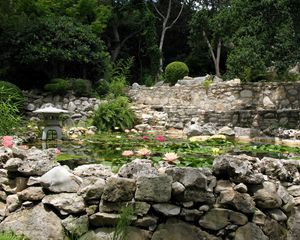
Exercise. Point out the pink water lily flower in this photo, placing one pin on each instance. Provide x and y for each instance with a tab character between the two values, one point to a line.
170	157
57	151
160	138
127	153
7	141
144	152
145	137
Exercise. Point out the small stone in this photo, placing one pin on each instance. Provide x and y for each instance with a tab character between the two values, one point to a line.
92	188
259	217
31	194
147	221
294	190
242	188
105	219
267	199
76	226
223	185
204	208
177	188
167	209
12	203
191	215
277	215
188	204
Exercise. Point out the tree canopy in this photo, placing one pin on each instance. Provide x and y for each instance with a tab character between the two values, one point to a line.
45	39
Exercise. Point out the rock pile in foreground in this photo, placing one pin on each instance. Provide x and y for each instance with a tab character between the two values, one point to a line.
241	198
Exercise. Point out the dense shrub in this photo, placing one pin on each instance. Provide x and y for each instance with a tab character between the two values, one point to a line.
58	86
114	115
81	87
9	118
10	92
175	71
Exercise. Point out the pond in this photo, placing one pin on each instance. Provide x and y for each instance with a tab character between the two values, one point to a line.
116	149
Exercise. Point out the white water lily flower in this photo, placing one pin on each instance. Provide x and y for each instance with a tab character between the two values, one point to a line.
143	152
170	157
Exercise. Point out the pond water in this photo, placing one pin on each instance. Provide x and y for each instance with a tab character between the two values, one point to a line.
107	148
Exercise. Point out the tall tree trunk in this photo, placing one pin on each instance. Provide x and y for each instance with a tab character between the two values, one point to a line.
216	58
165	27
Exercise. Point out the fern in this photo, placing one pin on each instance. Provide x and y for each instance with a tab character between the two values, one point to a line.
114	114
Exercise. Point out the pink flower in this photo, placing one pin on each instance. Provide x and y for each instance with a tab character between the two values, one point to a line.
7	141
127	153
57	151
143	152
160	138
170	157
145	137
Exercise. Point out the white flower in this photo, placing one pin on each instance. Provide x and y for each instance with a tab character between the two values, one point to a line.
170	157
143	152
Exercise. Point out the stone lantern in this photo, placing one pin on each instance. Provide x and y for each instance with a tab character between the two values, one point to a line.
51	121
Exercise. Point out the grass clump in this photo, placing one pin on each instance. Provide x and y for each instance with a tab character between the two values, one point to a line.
11	236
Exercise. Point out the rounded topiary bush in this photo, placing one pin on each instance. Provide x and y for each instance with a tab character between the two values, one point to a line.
175	71
58	86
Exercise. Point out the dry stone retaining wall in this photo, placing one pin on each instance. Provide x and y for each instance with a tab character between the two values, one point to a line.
241	198
244	105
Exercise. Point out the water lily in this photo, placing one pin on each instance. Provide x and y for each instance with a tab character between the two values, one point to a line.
215	151
160	138
143	152
127	153
170	157
145	137
118	136
7	141
57	151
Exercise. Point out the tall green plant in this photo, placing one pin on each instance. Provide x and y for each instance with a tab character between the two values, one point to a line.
114	115
124	221
10	92
11	236
9	117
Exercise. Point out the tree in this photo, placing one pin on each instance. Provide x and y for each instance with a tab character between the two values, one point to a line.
166	25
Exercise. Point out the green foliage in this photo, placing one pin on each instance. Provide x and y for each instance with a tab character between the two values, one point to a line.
81	87
10	92
9	118
207	83
123	222
114	115
58	86
11	236
175	71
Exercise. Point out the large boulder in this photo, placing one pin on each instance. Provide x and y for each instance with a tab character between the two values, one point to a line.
178	230
93	170
239	168
60	179
136	168
36	223
119	189
154	188
195	129
36	163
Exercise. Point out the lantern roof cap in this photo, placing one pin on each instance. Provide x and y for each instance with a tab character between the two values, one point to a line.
50	109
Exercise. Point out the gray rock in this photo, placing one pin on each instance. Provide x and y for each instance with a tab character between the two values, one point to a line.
38	162
265	198
227	131
140	208
106	219
293	224
218	218
167	209
12	203
242	188
274	230
223	185
135	86
76	226
119	189
35	223
239	168
246	94
177	188
277	215
250	231
93	170
198	130
30	107
92	188
259	217
137	168
178	230
66	202
13	164
217	79
60	179
71	107
154	188
240	201
31	194
146	221
294	190
191	215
